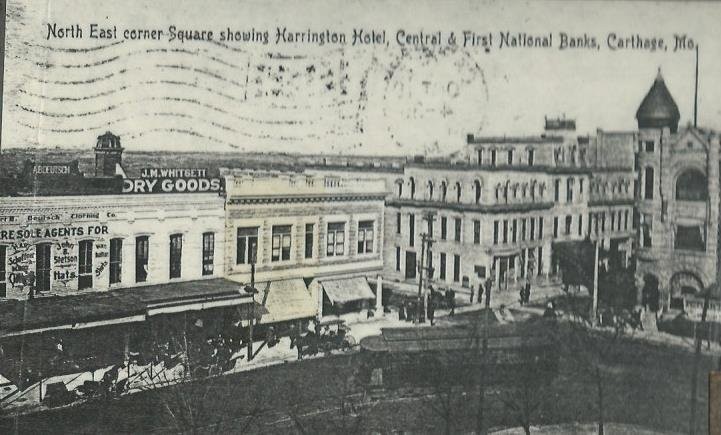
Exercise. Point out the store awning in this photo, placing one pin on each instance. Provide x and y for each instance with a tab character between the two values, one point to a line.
347	290
185	296
284	300
68	312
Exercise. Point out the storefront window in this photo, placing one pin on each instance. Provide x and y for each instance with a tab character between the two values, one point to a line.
141	258
116	260
85	264
456	268
42	267
176	252
281	243
335	239
365	237
208	253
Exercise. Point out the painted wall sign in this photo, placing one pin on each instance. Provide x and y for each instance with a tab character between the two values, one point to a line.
53	232
173	173
52	170
172	185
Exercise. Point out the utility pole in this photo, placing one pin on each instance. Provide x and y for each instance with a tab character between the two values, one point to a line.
252	290
426	243
484	364
594	306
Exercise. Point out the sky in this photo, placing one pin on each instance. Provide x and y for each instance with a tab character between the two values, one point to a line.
304	97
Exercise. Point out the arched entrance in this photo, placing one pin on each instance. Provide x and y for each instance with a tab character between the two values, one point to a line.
683	284
650	293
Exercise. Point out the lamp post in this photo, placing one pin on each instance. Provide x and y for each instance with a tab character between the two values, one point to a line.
250	289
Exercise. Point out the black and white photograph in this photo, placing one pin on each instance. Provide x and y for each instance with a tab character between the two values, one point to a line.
360	217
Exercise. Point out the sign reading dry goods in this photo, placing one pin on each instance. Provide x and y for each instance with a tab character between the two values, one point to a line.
173	180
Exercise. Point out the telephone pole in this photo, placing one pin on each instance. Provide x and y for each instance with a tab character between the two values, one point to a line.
426	244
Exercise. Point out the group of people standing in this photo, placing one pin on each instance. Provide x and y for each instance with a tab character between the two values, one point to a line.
525	293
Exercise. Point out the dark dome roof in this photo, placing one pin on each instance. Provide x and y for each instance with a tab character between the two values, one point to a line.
658	109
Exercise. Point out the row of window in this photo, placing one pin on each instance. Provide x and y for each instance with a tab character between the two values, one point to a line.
510	231
490	157
281	241
457	227
442	194
570	183
43	256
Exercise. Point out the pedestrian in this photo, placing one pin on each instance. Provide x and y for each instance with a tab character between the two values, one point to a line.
472	294
522	294
431	310
451	301
402	311
528	292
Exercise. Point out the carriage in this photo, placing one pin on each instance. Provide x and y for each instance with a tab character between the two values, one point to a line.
327	336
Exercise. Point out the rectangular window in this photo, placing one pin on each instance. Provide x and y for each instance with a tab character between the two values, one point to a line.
398	222
141	258
625	220
42	267
603	222
648	183
430	227
555	227
569	221
569	190
493	157
309	232
476	232
411	229
505	231
85	264
365	237
649	146
3	271
442	266
557	190
580	187
531	156
514	231
495	232
398	258
280	243
479	153
456	268
116	260
176	255
613	220
458	229
431	270
533	229
208	253
523	229
510	157
540	228
335	245
580	224
246	245
540	261
444	228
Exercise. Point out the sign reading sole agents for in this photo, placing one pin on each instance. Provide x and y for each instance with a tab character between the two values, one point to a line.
173	181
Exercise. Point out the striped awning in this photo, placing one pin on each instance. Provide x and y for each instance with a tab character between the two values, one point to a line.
285	300
347	290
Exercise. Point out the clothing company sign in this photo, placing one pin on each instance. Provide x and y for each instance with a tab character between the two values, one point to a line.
172	180
53	232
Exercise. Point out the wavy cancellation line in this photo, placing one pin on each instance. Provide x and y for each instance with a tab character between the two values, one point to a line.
193	101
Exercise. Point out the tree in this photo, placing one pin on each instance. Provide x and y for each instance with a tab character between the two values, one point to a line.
590	347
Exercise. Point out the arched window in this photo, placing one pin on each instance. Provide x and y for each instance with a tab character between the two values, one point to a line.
413	187
430	190
499	187
458	191
399	188
477	190
505	191
444	190
691	185
648	183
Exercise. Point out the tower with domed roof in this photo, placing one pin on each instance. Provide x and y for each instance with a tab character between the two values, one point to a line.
658	109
